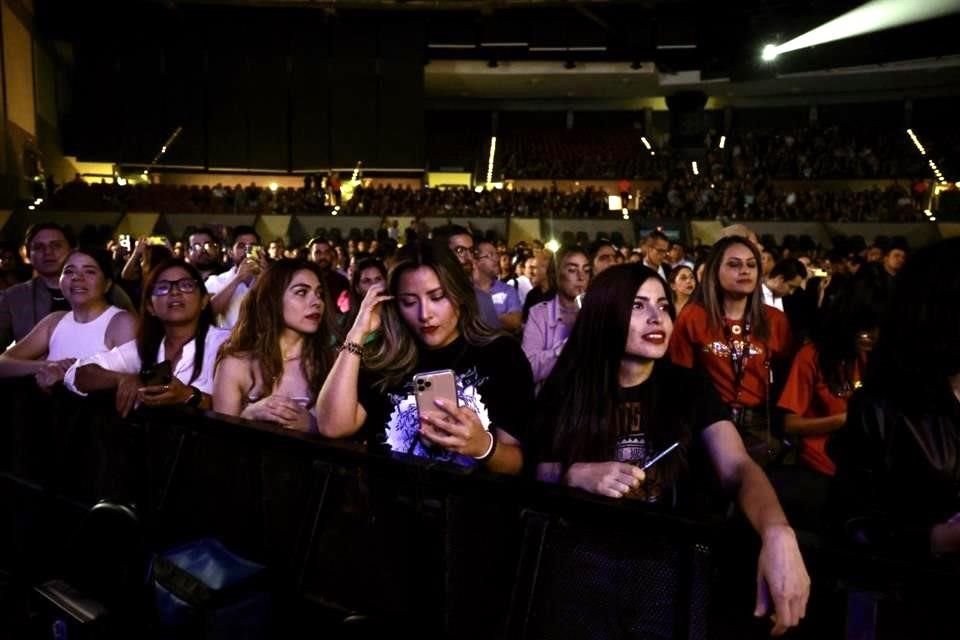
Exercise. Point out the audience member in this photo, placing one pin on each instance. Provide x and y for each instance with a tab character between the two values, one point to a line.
230	287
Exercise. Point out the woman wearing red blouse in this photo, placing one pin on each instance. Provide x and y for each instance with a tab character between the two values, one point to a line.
728	331
827	370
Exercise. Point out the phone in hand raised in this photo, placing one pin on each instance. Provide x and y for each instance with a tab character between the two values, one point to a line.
432	386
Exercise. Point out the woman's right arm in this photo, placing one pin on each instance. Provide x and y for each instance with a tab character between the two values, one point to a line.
611	479
26	357
339	413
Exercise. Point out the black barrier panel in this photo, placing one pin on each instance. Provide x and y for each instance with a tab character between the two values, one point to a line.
401	544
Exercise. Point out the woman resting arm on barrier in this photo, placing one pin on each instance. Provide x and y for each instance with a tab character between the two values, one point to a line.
277	357
92	325
170	362
428	322
613	403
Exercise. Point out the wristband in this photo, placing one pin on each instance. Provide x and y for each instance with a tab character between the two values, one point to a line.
195	399
489	452
353	347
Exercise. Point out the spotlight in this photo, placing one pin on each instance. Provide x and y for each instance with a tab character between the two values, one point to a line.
122	182
274	186
32	208
933	218
723	141
927	212
552	245
696	169
769	53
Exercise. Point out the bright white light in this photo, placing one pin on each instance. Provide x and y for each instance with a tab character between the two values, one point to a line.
696	169
645	142
927	212
653	153
38	201
478	188
933	218
274	186
552	245
493	152
122	181
769	53
32	208
875	15
163	149
723	141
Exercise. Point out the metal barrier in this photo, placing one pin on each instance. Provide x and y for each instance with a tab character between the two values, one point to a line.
401	543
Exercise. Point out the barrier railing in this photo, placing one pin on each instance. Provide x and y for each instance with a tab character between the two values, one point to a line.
406	543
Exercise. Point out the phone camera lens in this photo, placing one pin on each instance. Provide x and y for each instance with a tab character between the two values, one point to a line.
429	384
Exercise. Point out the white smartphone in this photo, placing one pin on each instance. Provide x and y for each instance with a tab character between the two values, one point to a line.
435	385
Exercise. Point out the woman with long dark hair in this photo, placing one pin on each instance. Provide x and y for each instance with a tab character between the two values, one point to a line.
429	321
898	459
826	371
613	402
278	354
729	332
367	272
682	282
174	333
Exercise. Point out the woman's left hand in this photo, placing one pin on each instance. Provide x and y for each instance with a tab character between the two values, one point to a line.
456	429
161	395
53	372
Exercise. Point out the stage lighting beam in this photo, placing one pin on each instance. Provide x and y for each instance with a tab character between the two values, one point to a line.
873	16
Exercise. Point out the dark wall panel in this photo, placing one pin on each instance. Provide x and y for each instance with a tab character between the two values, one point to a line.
267	102
353	103
401	134
228	88
310	102
183	99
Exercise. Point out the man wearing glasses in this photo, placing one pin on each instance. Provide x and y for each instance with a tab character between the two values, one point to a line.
505	299
656	248
203	252
461	243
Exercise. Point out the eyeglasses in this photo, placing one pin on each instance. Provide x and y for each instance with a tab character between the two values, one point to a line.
206	246
462	251
183	285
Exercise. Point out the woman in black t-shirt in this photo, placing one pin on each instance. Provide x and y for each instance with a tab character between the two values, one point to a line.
613	402
427	320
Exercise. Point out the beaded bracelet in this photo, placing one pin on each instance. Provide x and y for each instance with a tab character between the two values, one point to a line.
353	347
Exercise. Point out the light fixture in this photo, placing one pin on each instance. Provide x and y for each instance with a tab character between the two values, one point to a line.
696	169
493	153
769	53
645	142
552	245
274	186
723	141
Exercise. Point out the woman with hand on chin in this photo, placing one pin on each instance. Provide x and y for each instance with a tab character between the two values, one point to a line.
612	403
175	328
429	321
278	355
62	337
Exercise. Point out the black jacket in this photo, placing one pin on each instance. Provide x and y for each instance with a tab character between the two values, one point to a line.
898	471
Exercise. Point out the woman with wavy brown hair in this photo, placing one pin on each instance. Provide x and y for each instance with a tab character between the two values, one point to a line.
428	321
278	355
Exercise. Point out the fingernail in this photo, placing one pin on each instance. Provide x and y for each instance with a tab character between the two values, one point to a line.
439	402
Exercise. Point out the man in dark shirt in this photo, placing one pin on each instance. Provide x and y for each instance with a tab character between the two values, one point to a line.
322	254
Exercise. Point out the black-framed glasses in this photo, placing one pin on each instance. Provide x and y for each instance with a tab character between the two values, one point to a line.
463	251
183	285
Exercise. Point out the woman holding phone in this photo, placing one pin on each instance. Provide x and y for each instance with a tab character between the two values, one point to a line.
429	322
275	361
62	337
613	403
174	334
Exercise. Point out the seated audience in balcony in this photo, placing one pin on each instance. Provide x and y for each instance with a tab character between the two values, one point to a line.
23	305
278	354
429	321
175	328
91	325
612	403
898	459
550	322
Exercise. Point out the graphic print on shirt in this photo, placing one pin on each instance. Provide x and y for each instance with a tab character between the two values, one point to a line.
722	349
403	425
633	448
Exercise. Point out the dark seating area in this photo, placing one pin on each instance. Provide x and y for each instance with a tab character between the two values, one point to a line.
359	544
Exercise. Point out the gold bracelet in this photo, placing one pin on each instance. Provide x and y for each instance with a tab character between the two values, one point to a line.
353	347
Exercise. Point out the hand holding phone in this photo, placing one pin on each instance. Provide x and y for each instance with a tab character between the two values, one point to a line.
432	386
159	374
